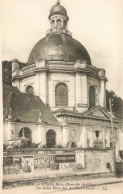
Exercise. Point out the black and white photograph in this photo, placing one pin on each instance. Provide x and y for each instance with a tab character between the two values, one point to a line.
62	96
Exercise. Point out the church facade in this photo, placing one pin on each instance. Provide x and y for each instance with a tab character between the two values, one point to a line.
60	96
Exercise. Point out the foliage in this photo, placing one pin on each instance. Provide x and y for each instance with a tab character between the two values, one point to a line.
23	144
58	146
117	104
7	71
16	145
41	145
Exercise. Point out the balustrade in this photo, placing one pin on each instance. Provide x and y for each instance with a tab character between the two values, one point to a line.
57	30
66	66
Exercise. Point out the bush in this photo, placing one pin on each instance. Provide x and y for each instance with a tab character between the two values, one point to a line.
58	146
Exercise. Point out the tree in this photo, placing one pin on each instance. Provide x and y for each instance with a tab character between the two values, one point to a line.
7	71
117	104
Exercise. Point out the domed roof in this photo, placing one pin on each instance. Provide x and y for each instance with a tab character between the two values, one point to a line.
59	47
58	9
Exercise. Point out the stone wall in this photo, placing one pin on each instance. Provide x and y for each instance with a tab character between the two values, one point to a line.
96	161
56	161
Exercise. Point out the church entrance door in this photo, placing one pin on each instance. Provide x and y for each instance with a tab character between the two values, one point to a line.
51	138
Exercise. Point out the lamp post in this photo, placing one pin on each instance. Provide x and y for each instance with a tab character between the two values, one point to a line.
114	136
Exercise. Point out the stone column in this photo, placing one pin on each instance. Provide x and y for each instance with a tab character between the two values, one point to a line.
90	137
81	137
41	135
38	88
84	137
65	134
84	90
55	19
44	87
10	130
102	96
108	138
104	137
81	86
62	22
78	89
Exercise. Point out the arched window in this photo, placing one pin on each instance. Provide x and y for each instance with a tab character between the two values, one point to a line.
61	95
59	23
91	96
29	90
25	132
50	138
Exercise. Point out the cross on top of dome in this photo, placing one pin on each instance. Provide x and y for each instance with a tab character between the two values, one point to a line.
58	2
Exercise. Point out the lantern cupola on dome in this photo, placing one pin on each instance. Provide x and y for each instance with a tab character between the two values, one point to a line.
58	44
58	19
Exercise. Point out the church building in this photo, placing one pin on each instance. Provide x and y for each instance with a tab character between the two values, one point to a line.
59	98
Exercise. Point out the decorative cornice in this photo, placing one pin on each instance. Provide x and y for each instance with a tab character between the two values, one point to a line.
57	67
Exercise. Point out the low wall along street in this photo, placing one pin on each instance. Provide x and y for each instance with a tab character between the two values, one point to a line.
47	162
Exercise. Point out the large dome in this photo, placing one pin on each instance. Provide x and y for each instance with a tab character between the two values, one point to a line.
59	47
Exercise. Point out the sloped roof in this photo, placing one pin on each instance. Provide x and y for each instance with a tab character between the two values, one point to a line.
25	107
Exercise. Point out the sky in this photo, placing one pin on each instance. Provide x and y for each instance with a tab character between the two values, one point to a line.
97	24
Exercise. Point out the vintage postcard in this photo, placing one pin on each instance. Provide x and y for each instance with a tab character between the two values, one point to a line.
62	99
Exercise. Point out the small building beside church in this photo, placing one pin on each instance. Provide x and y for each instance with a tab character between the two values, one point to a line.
59	101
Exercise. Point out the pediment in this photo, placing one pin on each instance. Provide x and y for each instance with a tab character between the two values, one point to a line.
98	112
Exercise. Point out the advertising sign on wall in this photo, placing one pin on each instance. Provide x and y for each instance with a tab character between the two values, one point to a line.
27	163
63	166
17	161
64	158
7	161
42	161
